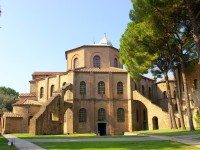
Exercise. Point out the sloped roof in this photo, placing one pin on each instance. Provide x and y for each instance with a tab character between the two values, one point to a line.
27	102
47	73
11	114
96	69
26	94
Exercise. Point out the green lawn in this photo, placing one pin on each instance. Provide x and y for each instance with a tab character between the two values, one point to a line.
4	144
169	132
64	136
130	145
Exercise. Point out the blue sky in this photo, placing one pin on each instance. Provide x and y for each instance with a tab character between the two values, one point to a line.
35	34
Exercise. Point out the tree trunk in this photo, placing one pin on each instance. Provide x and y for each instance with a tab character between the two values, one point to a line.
170	108
190	121
178	100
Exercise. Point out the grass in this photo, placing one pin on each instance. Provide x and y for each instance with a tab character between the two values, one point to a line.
4	144
129	145
166	132
64	136
169	132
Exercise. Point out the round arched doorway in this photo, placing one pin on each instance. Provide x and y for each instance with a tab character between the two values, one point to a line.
139	116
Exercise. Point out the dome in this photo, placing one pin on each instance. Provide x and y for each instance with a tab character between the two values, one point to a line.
105	41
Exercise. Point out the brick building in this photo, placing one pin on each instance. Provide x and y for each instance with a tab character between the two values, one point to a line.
94	95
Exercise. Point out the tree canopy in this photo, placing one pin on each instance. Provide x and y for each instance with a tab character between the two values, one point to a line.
7	97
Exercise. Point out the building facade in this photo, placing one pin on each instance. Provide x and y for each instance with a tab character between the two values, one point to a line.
94	95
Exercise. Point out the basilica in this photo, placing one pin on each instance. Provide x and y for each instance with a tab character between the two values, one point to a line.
95	95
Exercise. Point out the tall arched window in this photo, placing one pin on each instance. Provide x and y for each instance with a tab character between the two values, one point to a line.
41	92
76	63
82	88
120	115
195	84
115	63
82	115
143	90
101	87
101	114
96	61
149	93
119	88
51	90
164	94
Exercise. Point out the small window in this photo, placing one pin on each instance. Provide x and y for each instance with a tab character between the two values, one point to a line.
101	114
143	90
82	88
96	61
120	115
41	92
101	87
76	64
135	86
119	88
115	63
164	94
51	90
149	93
82	115
195	84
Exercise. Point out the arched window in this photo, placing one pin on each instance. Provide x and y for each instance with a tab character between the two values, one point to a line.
195	84
82	115
41	92
164	94
119	88
96	61
29	119
76	63
51	90
149	93
143	90
120	115
64	83
82	88
115	62
101	114
101	87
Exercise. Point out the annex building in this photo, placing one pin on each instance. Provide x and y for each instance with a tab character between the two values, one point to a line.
94	95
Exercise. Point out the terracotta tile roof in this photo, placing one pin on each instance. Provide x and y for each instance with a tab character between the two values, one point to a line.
27	102
47	73
26	94
109	69
11	114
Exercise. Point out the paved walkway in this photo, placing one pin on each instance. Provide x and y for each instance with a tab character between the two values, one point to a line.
28	145
22	144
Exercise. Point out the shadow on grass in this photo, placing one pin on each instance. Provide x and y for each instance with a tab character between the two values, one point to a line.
128	145
169	132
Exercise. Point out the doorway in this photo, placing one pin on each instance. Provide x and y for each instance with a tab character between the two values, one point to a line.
102	129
